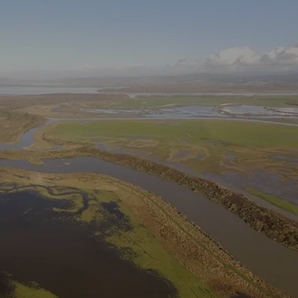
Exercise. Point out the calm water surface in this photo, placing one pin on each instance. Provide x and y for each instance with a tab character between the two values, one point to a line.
263	256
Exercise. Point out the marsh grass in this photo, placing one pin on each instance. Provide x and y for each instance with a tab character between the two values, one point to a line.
193	131
261	219
281	203
13	124
169	244
204	144
159	101
23	291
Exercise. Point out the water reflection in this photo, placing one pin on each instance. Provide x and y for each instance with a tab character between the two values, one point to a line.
264	112
203	111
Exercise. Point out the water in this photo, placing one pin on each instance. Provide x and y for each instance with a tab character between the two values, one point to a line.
200	112
229	158
248	94
245	109
177	116
23	90
263	256
26	139
52	249
244	243
113	111
287	158
287	190
236	181
186	112
163	113
264	182
287	111
263	112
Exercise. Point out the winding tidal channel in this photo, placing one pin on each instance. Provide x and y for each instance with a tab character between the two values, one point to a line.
266	258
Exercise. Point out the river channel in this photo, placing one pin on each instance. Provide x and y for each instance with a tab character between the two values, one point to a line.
263	256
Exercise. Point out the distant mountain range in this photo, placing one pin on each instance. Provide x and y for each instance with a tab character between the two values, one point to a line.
103	81
234	65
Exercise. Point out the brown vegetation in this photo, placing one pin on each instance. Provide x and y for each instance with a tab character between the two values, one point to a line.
14	123
191	246
261	219
269	222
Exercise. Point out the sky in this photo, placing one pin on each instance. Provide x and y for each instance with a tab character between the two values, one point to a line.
80	34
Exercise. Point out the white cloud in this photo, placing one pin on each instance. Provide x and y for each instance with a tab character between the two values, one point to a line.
281	55
244	58
232	56
234	59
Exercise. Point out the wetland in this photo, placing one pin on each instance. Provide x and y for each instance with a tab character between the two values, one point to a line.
41	241
182	166
101	234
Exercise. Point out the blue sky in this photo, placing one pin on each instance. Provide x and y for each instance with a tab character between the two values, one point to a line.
63	34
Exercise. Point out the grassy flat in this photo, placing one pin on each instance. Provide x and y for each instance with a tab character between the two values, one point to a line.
159	101
195	131
203	145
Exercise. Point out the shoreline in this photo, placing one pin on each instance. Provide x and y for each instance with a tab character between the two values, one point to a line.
274	225
228	274
269	222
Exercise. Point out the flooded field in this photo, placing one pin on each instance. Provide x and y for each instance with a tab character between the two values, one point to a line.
265	182
244	109
271	183
202	111
287	158
286	111
42	243
163	113
264	112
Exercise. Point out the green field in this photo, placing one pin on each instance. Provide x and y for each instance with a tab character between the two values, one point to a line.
159	101
23	291
275	201
196	131
203	145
